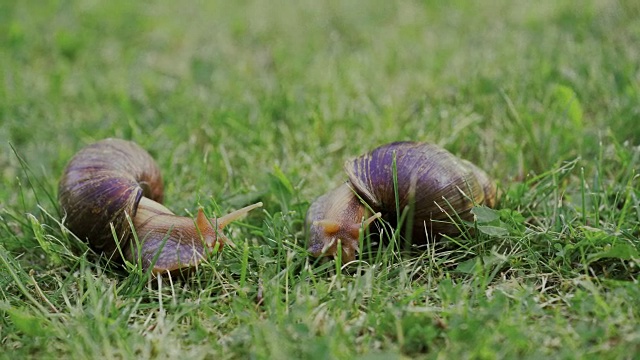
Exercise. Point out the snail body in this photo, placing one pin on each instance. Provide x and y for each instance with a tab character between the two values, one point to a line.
431	184
113	184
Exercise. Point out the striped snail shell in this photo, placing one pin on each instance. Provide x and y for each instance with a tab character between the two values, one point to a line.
113	181
435	187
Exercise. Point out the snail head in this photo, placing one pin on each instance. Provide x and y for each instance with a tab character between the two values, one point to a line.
326	234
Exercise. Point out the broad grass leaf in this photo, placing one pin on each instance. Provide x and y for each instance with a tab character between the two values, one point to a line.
618	251
489	221
493	230
567	101
282	179
25	322
470	266
484	214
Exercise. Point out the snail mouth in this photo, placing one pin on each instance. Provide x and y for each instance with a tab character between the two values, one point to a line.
331	249
328	237
217	224
211	232
218	241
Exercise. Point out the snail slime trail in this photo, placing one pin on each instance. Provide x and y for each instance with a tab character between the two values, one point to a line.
427	179
110	180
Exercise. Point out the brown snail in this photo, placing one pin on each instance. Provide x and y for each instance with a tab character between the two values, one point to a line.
429	181
112	182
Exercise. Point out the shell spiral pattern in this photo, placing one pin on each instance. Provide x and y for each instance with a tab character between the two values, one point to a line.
102	183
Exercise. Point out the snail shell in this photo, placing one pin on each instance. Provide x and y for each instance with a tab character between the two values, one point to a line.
111	181
101	184
431	183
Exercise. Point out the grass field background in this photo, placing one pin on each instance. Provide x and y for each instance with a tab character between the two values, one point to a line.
263	101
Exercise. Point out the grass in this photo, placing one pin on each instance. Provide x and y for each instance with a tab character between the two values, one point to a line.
264	101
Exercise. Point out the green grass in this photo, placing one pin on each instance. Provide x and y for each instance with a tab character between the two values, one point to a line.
263	101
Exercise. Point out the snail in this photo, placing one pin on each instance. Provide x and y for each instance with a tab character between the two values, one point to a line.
113	184
429	182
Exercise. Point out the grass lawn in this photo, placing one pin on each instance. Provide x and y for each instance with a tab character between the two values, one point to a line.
263	101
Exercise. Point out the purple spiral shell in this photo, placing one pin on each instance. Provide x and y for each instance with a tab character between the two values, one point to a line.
101	184
433	183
